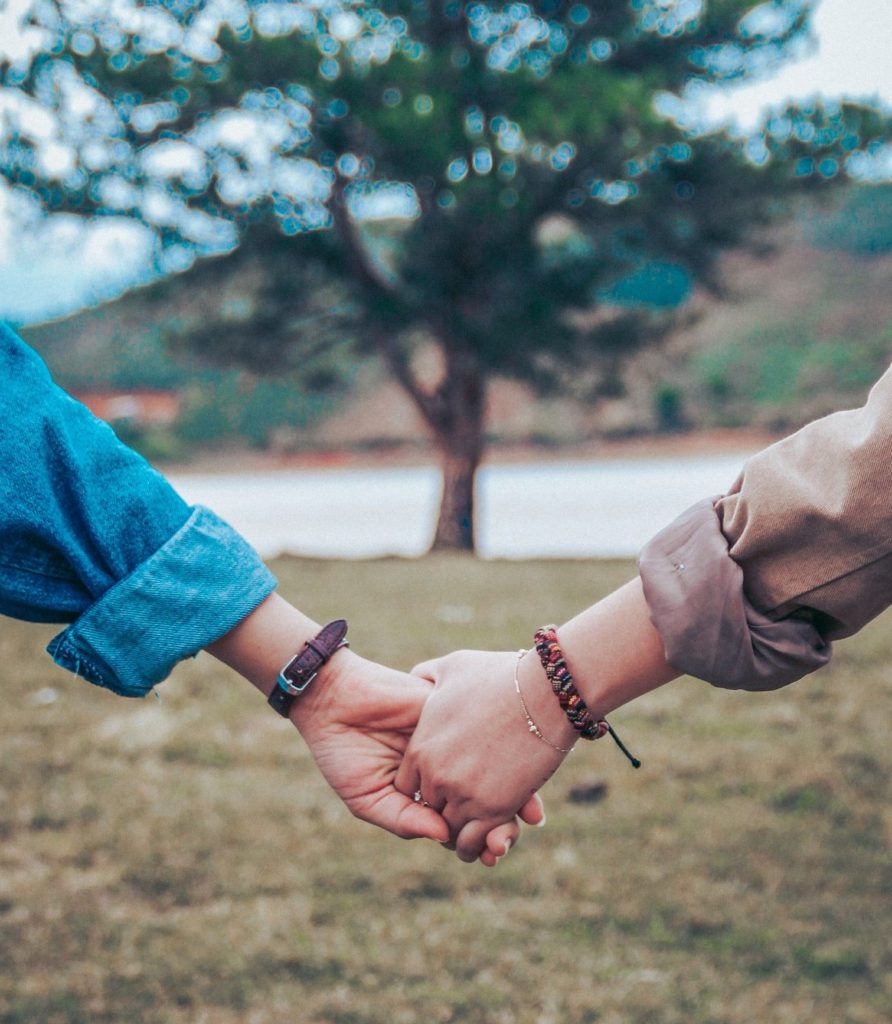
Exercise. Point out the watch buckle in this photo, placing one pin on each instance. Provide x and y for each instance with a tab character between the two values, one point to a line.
292	688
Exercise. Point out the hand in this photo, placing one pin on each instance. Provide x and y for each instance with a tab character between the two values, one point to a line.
473	755
357	723
357	718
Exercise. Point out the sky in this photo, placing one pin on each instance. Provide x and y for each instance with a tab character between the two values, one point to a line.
853	58
51	270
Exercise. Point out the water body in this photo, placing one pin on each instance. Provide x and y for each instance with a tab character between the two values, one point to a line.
586	509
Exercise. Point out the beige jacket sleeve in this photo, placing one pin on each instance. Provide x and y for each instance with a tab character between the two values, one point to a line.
748	589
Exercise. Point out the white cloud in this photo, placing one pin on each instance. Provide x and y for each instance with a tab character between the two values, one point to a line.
57	160
173	158
26	115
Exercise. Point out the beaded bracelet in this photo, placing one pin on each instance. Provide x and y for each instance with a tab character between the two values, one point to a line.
575	708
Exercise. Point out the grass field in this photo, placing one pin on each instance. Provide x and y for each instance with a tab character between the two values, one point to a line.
180	861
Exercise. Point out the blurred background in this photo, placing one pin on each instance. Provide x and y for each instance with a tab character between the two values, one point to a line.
520	280
430	237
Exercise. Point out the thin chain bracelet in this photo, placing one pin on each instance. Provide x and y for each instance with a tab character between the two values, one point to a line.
534	729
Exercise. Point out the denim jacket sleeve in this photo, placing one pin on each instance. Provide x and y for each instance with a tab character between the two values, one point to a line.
91	535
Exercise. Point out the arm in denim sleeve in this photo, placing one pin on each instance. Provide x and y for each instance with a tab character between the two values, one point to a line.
748	589
90	534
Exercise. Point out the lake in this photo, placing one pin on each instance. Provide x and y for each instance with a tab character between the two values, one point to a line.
571	509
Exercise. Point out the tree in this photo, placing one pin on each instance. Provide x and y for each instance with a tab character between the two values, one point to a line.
529	156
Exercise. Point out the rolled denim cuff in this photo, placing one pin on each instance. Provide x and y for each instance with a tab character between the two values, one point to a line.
695	596
190	592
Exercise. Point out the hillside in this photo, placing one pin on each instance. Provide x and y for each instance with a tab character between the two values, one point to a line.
802	330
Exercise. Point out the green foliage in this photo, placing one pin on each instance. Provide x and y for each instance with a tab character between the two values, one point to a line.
157	444
787	373
483	129
137	343
861	225
661	285
247	408
669	408
496	119
104	353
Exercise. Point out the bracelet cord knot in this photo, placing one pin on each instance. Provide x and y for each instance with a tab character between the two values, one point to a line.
577	711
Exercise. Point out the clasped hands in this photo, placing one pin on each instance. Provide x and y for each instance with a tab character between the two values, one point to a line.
444	753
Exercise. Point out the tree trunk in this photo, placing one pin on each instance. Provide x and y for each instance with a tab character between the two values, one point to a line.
458	431
454	411
455	525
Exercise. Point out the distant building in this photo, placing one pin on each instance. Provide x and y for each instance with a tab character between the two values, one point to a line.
142	408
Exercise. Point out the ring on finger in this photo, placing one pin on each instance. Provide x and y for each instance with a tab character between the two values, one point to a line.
419	799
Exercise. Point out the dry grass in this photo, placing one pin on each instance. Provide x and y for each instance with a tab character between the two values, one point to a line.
181	862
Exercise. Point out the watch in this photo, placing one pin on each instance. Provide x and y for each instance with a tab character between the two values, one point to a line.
297	675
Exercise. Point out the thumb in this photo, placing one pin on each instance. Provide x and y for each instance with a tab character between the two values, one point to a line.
429	670
396	702
533	811
415	821
406	781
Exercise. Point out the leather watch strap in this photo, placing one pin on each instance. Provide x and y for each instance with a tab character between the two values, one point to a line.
297	675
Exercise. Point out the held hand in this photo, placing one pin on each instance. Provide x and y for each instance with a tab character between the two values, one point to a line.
357	725
357	718
473	756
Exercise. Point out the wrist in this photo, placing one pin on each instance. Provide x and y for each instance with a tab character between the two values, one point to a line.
587	724
543	707
268	639
613	650
304	666
264	641
342	670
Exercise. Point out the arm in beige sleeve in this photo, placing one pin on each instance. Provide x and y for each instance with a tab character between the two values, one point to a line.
747	590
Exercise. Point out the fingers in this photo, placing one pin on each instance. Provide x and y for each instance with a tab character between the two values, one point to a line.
449	758
471	840
400	704
423	822
533	811
407	779
499	841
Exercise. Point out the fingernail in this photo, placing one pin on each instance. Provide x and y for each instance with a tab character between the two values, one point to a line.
541	824
508	845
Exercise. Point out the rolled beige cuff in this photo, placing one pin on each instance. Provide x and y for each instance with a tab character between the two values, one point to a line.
695	595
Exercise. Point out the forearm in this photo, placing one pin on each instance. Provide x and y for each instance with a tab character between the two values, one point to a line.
613	650
614	654
267	639
264	641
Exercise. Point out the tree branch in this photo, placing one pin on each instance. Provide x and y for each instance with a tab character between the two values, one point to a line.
430	405
362	267
370	278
